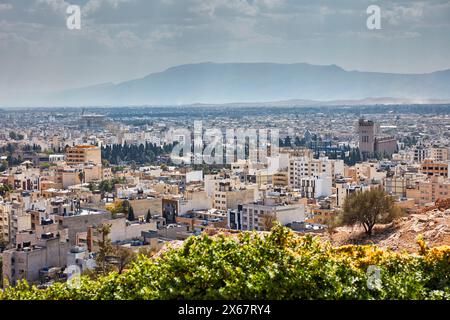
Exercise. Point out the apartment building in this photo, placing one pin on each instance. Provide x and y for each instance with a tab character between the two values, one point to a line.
77	223
5	211
260	215
120	230
315	187
439	154
420	153
431	167
13	219
227	196
321	213
365	171
280	179
398	184
345	188
82	154
305	167
199	220
429	190
31	261
24	178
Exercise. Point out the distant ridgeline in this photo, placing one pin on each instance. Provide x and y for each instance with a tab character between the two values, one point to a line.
261	82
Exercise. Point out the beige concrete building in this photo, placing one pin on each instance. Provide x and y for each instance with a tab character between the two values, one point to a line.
227	196
430	190
141	206
120	230
281	179
30	262
81	222
307	167
261	215
434	168
345	188
83	154
5	211
439	154
397	185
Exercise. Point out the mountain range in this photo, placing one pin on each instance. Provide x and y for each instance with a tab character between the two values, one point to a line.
300	83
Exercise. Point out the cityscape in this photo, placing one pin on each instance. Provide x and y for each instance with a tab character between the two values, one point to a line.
224	181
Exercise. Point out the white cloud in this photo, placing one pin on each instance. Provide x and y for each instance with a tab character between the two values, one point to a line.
401	14
5	6
122	39
93	6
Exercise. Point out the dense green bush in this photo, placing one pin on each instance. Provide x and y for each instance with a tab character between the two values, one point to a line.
277	265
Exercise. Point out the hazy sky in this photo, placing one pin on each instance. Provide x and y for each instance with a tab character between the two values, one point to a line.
126	39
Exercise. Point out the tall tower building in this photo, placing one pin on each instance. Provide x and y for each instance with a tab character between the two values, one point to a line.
367	131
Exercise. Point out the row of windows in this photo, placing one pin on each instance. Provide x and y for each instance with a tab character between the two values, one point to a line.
435	168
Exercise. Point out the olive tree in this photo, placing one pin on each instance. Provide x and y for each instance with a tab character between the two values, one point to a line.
368	208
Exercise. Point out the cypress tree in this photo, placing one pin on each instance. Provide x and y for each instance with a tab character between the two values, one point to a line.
131	214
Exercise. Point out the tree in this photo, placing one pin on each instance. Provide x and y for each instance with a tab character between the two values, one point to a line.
131	213
369	208
3	165
105	248
1	272
268	221
148	217
81	176
332	224
45	165
5	188
3	244
15	136
123	257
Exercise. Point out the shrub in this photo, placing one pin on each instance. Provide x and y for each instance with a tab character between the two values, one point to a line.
276	265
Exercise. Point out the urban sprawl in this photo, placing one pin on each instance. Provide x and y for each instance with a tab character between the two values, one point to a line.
71	177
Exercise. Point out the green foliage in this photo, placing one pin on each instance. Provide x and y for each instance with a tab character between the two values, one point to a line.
105	249
277	265
106	186
3	165
140	154
117	169
369	208
45	165
148	216
15	136
81	176
131	216
5	188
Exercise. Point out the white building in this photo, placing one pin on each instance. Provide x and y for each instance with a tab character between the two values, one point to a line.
260	215
315	187
301	167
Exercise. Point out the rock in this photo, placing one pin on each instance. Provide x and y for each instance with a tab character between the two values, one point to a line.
417	227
